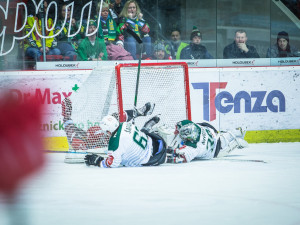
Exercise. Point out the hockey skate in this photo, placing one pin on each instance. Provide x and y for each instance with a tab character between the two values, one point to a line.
150	123
146	110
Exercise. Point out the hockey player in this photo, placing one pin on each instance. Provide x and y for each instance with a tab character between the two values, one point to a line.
201	141
96	136
129	146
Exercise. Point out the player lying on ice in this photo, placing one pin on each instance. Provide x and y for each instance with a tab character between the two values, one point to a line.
200	141
127	145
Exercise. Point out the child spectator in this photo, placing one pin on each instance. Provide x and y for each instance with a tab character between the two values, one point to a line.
92	48
174	49
108	24
195	50
33	44
282	48
132	18
160	52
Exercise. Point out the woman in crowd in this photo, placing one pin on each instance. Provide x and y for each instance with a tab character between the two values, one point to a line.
132	18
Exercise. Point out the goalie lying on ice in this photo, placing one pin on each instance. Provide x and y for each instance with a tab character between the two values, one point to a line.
200	141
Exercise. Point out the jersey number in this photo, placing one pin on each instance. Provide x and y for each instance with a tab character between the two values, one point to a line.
210	141
140	140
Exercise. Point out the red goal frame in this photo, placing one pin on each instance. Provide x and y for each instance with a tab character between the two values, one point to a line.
186	83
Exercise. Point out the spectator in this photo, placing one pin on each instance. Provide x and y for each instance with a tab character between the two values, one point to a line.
115	9
239	48
92	48
174	49
107	31
282	48
108	24
160	52
195	50
132	18
33	45
67	45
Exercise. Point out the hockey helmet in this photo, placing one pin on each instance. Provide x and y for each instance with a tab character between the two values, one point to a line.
109	123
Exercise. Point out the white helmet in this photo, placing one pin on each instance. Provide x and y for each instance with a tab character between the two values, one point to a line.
109	123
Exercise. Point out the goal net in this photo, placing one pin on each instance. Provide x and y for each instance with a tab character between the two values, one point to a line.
112	89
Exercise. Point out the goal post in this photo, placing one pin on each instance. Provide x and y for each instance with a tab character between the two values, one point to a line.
166	84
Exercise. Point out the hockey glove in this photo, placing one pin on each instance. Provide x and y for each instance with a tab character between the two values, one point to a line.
93	159
176	159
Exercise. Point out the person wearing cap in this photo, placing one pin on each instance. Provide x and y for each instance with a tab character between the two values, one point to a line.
239	47
92	48
282	47
176	45
160	52
195	50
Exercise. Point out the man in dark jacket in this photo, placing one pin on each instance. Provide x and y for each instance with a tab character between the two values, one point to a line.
239	48
195	50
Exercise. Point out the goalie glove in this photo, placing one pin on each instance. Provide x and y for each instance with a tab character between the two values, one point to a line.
93	159
175	156
176	159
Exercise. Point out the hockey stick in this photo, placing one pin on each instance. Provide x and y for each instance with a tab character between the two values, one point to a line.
139	40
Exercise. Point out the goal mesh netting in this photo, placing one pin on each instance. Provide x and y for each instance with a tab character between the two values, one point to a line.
108	90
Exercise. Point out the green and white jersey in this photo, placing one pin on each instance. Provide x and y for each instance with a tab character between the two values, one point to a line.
203	148
129	146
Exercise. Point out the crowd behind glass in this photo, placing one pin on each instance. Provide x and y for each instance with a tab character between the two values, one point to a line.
89	31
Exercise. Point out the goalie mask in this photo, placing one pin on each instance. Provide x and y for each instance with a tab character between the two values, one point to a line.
188	131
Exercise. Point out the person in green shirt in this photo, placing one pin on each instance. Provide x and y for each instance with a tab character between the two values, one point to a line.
92	48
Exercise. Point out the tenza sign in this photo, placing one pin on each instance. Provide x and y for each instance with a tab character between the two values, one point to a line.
225	102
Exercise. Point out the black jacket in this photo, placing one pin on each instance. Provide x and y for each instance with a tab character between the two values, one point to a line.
232	51
193	51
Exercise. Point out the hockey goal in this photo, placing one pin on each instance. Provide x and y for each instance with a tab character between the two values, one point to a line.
112	89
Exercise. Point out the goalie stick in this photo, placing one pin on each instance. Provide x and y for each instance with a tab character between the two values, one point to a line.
139	40
241	160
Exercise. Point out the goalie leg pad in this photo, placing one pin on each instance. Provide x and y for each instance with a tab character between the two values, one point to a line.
231	140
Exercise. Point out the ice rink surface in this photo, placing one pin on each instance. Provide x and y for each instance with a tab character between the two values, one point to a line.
233	191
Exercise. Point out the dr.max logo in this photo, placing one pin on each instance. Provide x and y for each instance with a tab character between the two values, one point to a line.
224	101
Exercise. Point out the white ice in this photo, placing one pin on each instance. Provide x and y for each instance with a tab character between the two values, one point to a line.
217	192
